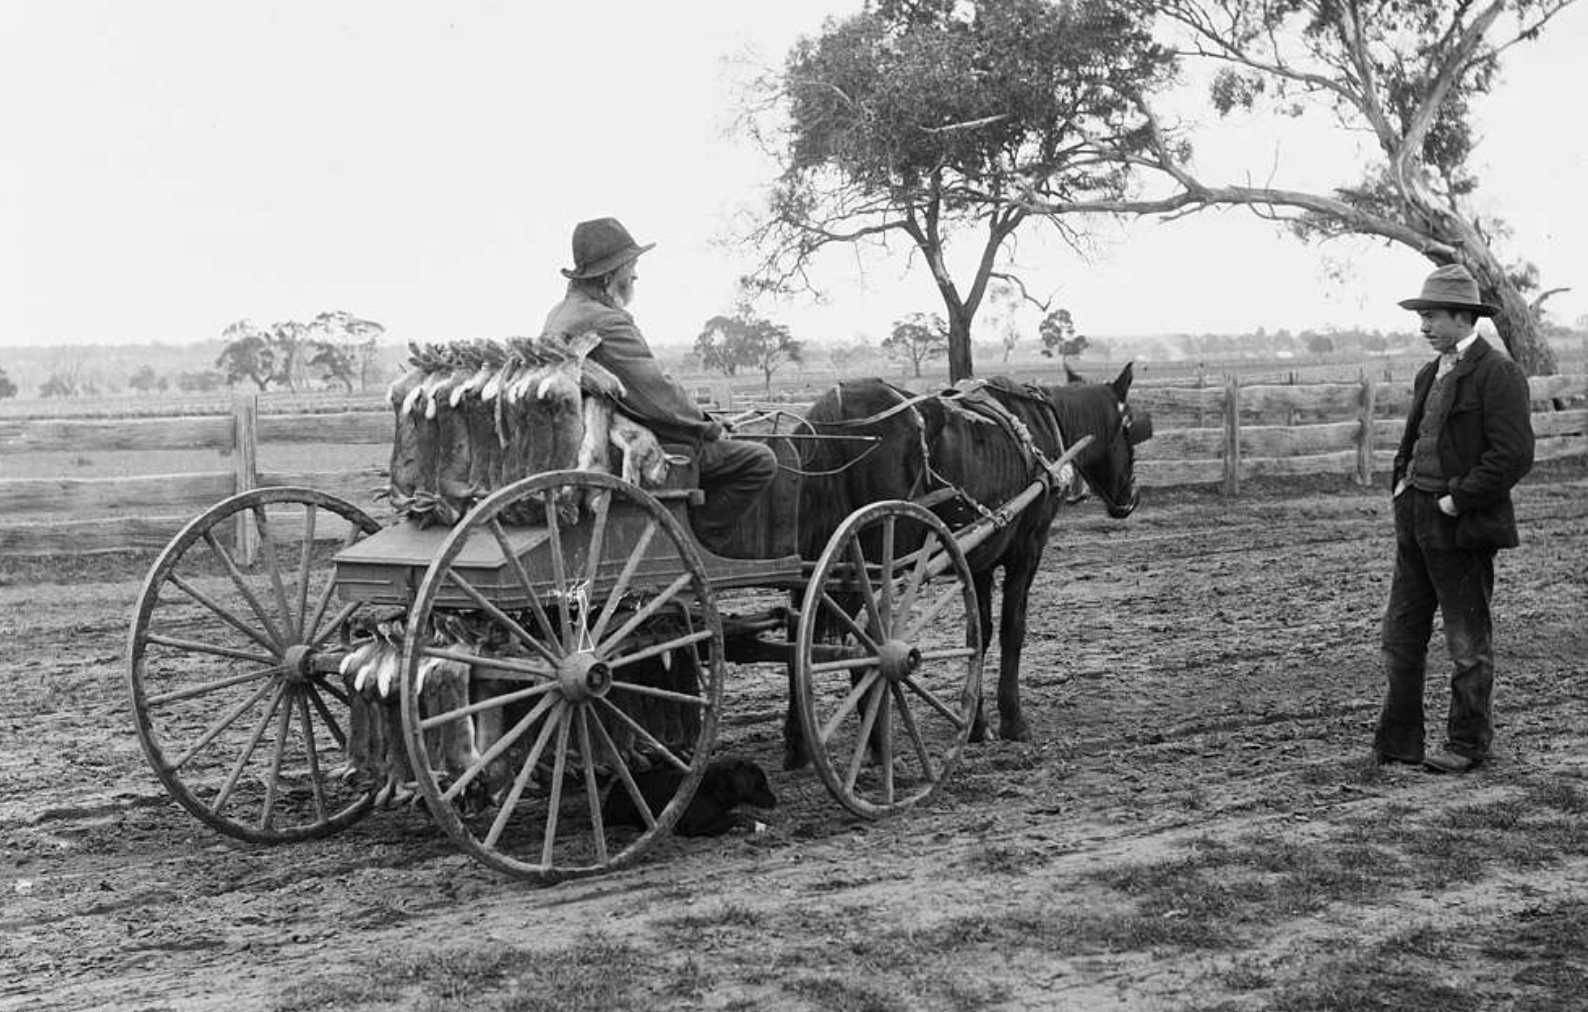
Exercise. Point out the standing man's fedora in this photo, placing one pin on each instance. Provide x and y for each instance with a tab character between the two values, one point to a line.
1451	287
601	246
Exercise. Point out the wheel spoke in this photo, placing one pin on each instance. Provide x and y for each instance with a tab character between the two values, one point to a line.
649	738
214	649
208	687
559	576
311	516
273	784
493	662
224	614
312	625
553	810
908	719
844	664
591	788
267	541
918	576
345	613
226	720
935	703
949	596
868	593
241	583
598	534
862	742
520	782
885	737
848	620
307	726
331	725
520	574
248	750
501	745
640	804
655	693
845	708
885	602
621	587
490	703
507	621
651	608
660	648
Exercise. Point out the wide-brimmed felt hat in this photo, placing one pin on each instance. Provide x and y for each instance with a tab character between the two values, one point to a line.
1450	287
601	246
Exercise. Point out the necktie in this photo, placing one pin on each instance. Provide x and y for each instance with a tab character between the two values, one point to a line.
1447	362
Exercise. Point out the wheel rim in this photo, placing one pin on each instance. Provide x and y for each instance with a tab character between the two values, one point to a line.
888	658
567	692
231	668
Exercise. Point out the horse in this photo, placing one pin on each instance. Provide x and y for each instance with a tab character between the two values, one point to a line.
945	453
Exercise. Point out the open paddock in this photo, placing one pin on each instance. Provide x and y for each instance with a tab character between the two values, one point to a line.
1195	826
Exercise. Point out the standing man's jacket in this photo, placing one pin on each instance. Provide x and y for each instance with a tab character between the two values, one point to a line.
651	397
1485	444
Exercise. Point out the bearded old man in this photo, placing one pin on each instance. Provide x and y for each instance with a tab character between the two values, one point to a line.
1468	440
600	288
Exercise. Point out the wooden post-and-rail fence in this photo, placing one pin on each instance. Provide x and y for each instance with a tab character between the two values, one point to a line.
1354	431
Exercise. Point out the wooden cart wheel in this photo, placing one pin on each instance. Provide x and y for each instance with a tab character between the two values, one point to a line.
887	664
232	667
599	583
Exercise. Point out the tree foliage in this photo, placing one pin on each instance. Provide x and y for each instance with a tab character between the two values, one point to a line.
917	339
7	387
1401	72
935	120
145	381
1059	339
335	347
744	339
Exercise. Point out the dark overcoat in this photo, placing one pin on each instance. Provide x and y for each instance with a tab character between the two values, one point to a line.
1486	443
650	397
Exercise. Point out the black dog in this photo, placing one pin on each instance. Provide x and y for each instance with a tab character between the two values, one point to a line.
725	784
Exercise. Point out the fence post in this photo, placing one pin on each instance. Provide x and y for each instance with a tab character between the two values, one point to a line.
1364	439
1232	435
245	452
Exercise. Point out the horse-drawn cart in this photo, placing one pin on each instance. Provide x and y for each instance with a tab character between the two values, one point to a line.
539	665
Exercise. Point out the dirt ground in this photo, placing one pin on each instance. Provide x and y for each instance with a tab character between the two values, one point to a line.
1195	825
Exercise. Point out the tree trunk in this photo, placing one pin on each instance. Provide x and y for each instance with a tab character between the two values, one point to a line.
1516	322
959	363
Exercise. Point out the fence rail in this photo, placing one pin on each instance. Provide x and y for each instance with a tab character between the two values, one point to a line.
1233	435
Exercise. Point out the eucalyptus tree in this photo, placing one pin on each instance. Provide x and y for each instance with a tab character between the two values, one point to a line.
1403	73
940	122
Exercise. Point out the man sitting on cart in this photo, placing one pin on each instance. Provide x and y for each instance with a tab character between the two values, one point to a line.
600	287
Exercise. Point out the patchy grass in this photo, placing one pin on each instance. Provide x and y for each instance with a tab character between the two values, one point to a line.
593	972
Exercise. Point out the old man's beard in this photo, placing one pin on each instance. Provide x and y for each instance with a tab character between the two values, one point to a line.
621	292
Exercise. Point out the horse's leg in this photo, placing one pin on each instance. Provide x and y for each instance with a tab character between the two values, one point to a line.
1018	575
983	582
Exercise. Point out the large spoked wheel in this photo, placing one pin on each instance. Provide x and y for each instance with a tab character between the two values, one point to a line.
562	676
232	667
887	665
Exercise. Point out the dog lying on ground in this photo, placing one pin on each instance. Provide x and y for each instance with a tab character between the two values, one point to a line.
726	784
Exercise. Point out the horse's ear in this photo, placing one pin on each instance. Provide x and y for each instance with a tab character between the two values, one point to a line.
1121	385
1072	377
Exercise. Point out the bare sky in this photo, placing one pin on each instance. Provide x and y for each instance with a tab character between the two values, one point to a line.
174	166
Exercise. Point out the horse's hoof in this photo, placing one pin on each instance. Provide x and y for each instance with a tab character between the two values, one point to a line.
795	760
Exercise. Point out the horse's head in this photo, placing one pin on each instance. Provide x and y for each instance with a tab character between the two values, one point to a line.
1103	411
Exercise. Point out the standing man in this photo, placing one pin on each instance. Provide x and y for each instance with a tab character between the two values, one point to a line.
1468	439
600	287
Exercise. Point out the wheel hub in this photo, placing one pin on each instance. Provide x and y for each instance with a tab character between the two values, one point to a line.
898	660
584	676
297	663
